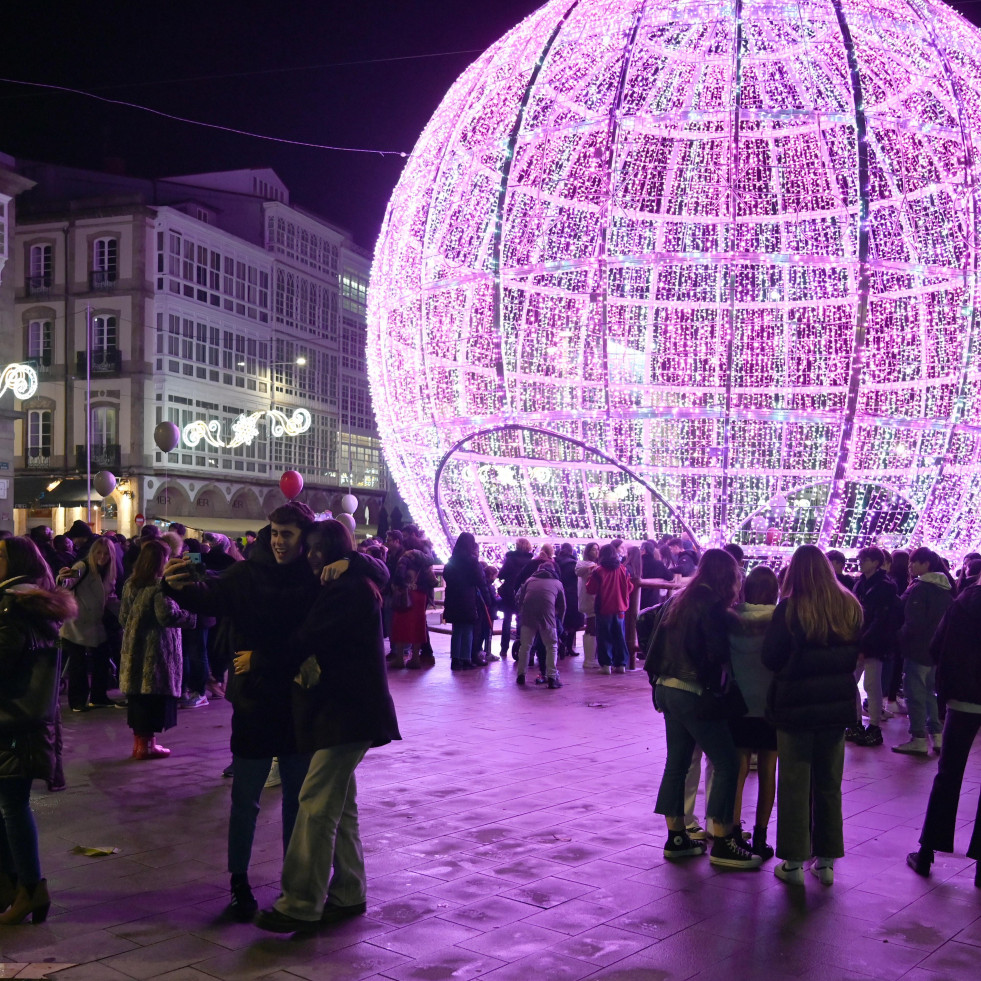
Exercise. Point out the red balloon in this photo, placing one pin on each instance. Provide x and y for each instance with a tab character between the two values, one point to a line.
291	483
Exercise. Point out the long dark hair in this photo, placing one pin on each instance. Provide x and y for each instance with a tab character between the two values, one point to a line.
465	547
150	563
717	577
336	538
24	559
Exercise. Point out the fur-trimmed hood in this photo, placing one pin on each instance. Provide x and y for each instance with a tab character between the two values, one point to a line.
40	606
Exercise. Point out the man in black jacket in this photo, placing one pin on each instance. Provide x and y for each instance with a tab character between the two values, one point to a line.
341	708
275	586
883	615
511	569
924	605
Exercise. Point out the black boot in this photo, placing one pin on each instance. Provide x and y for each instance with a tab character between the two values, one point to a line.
920	861
759	846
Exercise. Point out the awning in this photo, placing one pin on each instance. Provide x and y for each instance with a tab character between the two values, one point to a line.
31	492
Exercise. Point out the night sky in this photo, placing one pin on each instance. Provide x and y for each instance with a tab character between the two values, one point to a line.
341	72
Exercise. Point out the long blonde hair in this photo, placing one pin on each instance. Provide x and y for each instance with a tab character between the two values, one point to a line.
816	601
108	572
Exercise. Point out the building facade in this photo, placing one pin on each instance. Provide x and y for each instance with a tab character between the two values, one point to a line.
208	301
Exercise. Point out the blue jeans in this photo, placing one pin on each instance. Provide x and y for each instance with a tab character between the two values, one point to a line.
461	642
18	832
921	698
610	637
248	777
684	731
325	861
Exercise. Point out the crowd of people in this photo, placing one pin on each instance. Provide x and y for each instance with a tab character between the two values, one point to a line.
308	687
756	667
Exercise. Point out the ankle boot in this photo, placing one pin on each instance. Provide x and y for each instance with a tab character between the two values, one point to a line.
920	861
138	747
34	903
8	889
759	846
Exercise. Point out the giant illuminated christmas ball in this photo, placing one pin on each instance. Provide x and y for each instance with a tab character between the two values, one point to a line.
710	267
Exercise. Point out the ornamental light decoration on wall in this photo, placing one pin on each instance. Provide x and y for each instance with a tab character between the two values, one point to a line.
19	379
723	253
245	428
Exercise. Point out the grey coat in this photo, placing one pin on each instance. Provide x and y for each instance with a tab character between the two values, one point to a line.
86	629
151	659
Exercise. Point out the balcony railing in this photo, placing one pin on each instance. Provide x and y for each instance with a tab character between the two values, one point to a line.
102	280
105	456
39	286
37	459
105	361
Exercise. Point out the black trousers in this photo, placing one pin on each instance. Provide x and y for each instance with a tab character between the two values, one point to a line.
960	728
81	661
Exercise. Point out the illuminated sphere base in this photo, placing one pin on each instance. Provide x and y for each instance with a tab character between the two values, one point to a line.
708	265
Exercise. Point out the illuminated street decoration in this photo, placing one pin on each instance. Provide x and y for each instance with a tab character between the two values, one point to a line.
730	246
20	379
245	428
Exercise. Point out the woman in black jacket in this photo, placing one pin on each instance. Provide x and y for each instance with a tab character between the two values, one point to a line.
464	580
341	709
957	654
30	613
689	654
811	646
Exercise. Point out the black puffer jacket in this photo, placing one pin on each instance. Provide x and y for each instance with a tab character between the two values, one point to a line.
883	615
813	686
348	701
464	580
957	651
29	620
264	602
511	570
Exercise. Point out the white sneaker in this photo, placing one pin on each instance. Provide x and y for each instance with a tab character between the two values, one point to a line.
824	870
793	876
604	669
917	745
938	741
896	707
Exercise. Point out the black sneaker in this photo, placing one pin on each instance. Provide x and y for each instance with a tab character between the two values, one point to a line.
679	845
852	733
520	680
871	737
730	854
243	905
554	683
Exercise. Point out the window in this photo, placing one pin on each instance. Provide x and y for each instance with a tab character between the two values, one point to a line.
39	334
39	274
104	255
105	425
105	336
39	434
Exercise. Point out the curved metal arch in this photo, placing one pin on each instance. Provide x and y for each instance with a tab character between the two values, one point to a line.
490	431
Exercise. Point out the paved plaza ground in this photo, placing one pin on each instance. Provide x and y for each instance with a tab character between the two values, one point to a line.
510	835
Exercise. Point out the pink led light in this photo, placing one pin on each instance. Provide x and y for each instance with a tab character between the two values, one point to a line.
730	247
